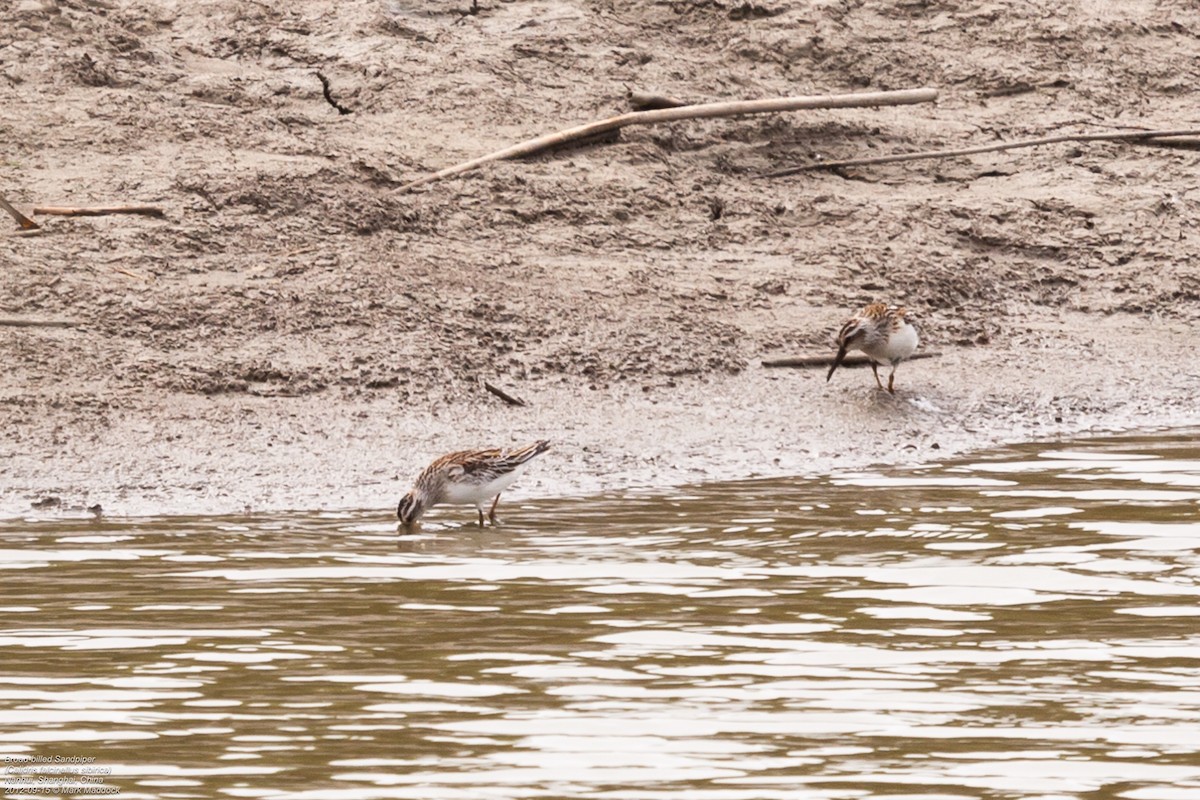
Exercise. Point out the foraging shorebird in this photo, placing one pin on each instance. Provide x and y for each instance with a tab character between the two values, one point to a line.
466	476
883	334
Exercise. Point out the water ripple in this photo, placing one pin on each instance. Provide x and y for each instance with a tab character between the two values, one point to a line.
1020	624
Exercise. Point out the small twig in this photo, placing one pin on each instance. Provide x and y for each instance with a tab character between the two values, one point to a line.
328	92
644	101
98	211
1146	137
131	273
503	395
16	322
827	361
703	111
23	221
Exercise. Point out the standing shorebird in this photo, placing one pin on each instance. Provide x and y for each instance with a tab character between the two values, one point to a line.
466	476
882	332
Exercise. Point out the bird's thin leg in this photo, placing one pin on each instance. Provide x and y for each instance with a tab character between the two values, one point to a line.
891	381
480	510
492	513
875	369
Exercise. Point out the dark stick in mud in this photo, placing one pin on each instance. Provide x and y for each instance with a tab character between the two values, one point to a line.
503	395
827	361
327	90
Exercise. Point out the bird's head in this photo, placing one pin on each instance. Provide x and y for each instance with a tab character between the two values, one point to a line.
409	510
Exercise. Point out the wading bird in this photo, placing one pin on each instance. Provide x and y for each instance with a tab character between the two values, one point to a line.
466	477
883	334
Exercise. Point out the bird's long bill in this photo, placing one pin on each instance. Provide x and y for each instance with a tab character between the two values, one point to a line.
837	362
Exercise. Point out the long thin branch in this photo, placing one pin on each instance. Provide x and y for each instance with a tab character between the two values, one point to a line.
1136	136
705	110
18	322
97	211
25	222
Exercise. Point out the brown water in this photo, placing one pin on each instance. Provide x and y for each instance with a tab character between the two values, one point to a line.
1024	624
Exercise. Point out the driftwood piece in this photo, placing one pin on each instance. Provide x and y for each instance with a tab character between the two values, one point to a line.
827	361
23	221
18	322
98	211
503	395
1141	137
703	111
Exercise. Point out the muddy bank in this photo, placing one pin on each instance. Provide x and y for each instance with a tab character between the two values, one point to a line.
296	332
236	453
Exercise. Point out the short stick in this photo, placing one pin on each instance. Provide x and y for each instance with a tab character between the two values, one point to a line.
503	395
17	322
98	211
131	273
827	361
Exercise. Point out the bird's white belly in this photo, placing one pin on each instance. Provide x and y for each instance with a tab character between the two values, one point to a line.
474	493
898	346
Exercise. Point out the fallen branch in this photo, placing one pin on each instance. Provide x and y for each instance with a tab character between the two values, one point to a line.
25	222
1145	137
16	322
131	273
503	395
827	361
706	110
98	211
